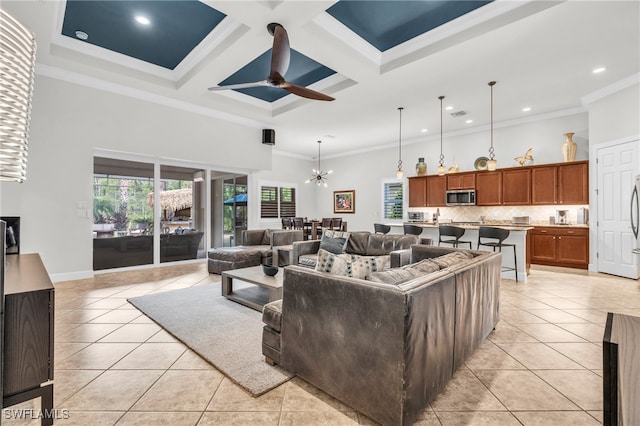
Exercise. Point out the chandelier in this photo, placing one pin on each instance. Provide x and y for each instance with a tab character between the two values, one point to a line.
318	176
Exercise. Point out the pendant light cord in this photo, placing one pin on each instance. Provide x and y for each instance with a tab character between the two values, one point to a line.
441	154
491	150
400	141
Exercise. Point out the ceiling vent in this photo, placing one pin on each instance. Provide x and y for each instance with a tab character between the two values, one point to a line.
458	113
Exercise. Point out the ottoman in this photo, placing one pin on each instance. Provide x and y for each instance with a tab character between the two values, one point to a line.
226	258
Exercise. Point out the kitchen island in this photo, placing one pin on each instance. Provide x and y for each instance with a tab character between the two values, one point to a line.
518	236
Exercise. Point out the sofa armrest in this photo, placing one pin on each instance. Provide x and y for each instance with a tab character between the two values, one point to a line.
252	237
285	238
303	247
400	258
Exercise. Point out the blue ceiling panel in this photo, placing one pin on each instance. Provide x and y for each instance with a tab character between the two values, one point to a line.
303	71
166	41
386	24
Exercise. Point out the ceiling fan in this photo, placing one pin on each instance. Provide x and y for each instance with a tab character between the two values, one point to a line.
279	65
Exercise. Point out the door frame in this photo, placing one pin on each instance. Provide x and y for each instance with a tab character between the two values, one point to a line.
593	195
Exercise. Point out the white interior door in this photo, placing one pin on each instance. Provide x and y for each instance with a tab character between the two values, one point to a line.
617	166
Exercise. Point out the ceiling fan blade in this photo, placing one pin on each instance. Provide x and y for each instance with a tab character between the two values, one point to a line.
240	86
304	92
280	54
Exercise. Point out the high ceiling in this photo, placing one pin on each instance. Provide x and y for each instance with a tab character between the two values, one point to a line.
372	56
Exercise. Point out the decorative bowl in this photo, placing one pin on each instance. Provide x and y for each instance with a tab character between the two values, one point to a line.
270	270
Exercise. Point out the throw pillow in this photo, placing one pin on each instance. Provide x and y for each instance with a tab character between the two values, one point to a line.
361	266
451	259
335	264
334	241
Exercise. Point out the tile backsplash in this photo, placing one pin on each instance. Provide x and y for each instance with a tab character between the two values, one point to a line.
538	214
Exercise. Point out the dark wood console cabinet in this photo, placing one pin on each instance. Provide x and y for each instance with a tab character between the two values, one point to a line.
558	246
28	334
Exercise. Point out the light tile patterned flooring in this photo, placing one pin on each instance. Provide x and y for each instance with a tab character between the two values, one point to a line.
541	366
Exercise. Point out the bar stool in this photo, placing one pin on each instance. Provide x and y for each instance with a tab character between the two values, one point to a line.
452	231
500	235
380	228
411	229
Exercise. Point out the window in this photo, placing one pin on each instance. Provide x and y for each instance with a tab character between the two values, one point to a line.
392	200
277	201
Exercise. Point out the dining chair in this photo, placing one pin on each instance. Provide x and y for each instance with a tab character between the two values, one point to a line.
452	231
286	223
336	224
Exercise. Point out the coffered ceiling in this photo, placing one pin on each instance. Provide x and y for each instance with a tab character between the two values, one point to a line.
372	56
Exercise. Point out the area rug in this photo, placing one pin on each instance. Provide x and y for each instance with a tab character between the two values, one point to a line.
226	334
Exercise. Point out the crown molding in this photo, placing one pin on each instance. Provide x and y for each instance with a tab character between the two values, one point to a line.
119	89
610	89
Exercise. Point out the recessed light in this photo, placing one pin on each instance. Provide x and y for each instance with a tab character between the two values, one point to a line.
599	70
469	121
424	130
449	108
82	35
142	20
526	109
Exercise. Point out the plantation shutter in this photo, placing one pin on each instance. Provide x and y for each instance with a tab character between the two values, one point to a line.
287	202
268	202
393	200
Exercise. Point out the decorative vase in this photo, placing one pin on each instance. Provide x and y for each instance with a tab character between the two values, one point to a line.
569	148
421	167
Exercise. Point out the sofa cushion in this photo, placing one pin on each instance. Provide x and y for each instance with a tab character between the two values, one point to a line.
266	238
309	260
425	266
334	241
272	314
451	259
358	242
394	276
405	273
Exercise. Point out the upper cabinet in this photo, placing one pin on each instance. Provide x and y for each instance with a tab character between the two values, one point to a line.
436	188
548	184
565	183
418	191
461	181
573	183
489	188
516	187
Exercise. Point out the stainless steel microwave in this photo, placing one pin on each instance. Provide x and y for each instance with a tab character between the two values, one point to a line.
464	197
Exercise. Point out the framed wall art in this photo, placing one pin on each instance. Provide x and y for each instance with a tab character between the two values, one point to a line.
344	201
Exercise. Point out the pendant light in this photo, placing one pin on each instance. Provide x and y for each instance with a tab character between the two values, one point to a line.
441	168
18	57
399	172
492	162
319	177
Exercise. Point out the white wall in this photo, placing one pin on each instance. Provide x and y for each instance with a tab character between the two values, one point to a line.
615	116
68	123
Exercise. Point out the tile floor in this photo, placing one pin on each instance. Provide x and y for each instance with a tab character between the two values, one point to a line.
541	366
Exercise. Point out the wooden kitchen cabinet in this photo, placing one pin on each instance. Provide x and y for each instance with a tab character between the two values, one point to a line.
516	187
573	183
436	189
560	246
418	191
461	181
565	183
544	185
489	188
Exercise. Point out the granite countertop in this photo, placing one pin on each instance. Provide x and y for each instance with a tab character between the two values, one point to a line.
497	224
